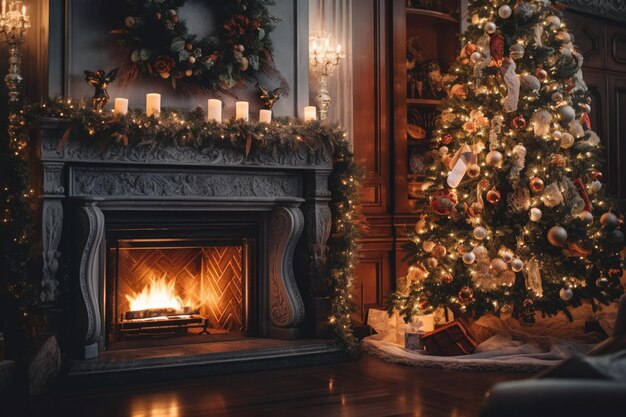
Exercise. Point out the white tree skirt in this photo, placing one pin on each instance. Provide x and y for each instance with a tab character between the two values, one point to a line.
512	348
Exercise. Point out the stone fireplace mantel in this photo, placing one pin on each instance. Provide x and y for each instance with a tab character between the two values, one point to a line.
83	181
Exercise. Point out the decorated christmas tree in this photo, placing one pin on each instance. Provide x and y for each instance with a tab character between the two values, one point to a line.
515	220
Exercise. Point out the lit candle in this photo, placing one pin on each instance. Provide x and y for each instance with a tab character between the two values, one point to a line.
241	110
265	116
215	110
310	113
121	106
153	104
4	7
24	11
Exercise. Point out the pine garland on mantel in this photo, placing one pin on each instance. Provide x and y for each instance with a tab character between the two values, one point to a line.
174	127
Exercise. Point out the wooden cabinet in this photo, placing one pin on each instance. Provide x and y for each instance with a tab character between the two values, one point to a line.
382	107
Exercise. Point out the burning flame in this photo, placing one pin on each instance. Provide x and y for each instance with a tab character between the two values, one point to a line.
159	293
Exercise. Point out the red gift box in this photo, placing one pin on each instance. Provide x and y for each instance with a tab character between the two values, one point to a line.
451	339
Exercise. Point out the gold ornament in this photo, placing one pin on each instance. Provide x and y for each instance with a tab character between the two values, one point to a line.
536	184
421	227
473	171
439	251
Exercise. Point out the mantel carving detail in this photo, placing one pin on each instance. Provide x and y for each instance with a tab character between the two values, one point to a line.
104	183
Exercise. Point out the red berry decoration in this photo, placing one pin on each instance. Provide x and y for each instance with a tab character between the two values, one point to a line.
174	18
519	122
596	175
188	46
446	139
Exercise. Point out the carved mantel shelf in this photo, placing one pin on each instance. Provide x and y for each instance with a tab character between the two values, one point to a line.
84	180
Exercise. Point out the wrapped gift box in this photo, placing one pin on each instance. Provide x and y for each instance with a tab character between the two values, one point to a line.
451	339
413	341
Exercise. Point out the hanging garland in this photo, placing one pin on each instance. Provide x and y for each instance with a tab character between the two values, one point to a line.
161	45
191	129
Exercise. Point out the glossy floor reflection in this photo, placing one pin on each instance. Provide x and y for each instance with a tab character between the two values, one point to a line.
366	387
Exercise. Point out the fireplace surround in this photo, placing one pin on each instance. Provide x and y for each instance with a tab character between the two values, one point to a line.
101	196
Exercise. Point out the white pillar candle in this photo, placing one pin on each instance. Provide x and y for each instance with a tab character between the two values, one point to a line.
121	106
215	110
241	110
153	104
310	113
265	116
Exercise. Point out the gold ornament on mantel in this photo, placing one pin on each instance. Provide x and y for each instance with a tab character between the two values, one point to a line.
100	81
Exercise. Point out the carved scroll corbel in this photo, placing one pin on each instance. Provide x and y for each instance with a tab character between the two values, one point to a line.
286	306
91	232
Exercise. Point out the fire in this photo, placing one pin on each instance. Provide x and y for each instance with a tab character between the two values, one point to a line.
159	293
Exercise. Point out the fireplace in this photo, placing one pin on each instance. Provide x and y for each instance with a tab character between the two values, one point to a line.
214	232
185	289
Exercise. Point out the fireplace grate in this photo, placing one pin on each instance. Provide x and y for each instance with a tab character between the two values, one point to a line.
162	320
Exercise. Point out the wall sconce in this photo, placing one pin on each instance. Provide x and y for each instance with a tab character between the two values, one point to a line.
13	23
324	61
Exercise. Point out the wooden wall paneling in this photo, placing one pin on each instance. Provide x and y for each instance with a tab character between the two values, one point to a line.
372	284
370	98
399	138
590	38
372	147
616	147
616	48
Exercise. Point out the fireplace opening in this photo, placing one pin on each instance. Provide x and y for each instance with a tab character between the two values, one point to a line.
178	290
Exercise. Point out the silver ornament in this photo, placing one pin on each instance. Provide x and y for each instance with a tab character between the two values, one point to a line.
499	265
524	11
535	214
566	113
563	36
531	83
609	221
566	294
479	233
494	158
475	57
602	282
586	217
469	257
567	140
516	51
490	28
505	11
517	265
557	236
556	97
553	21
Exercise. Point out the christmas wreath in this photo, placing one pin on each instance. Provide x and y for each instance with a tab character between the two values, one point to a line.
161	45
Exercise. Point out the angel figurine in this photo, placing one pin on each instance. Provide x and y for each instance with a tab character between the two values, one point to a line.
100	81
268	98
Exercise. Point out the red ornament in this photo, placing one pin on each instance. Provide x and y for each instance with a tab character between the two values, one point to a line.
519	122
496	47
596	175
585	121
157	16
423	304
444	201
174	18
466	294
536	184
541	74
446	139
493	196
188	46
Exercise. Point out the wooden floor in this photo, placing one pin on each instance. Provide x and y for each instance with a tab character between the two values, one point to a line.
365	387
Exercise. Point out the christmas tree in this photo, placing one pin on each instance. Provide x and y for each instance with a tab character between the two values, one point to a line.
515	220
